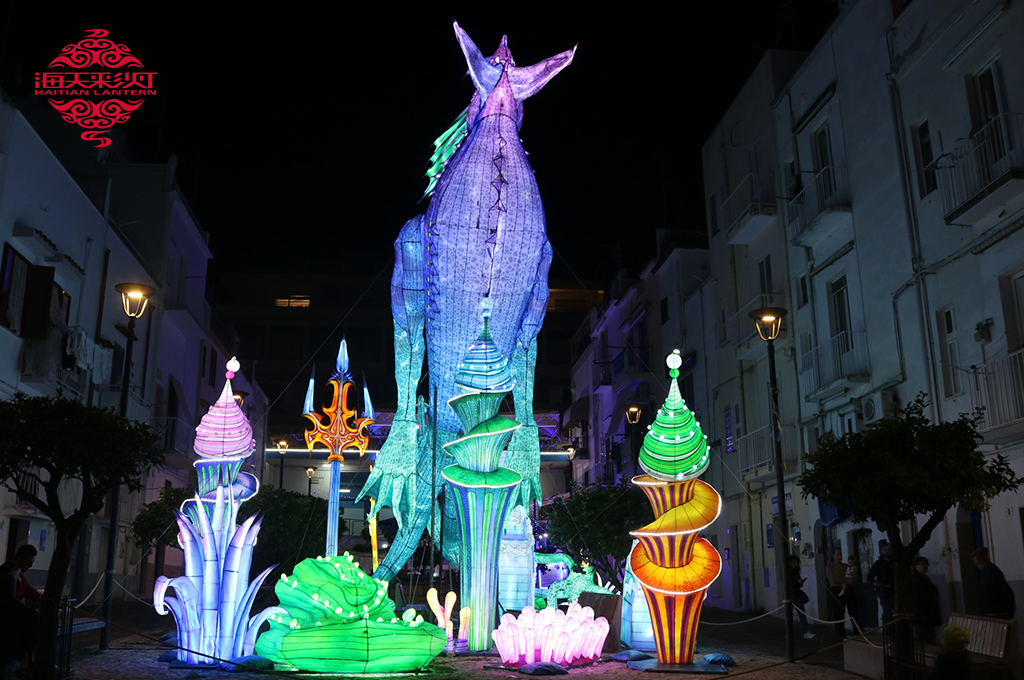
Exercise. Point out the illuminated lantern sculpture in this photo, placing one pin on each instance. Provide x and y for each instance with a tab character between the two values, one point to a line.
576	583
213	603
339	430
551	635
444	620
483	235
336	619
672	563
481	488
637	631
517	569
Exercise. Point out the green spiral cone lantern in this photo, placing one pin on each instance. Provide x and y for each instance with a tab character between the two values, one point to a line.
480	487
672	563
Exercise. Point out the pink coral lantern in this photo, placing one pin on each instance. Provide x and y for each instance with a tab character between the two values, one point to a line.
570	638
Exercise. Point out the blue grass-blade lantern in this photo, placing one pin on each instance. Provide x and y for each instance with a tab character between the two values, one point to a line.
213	599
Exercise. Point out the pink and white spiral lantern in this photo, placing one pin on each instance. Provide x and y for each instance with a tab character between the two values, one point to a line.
565	638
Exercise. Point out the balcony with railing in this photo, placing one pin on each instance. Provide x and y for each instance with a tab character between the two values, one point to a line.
829	368
757	451
175	437
189	296
749	209
69	491
981	175
743	333
630	360
139	410
998	387
820	207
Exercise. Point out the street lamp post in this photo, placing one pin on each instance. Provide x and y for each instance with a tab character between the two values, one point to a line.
282	448
633	417
134	299
769	322
310	471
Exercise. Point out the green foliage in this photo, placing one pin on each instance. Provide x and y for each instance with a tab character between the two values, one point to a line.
593	525
292	530
64	458
47	441
904	467
154	525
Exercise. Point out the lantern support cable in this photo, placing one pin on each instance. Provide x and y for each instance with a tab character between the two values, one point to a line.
302	370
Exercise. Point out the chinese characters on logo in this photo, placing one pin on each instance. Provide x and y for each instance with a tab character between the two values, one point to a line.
96	83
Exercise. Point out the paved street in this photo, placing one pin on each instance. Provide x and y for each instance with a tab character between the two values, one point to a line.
757	646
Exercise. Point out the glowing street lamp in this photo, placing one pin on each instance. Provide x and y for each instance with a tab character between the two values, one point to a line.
282	448
310	471
633	414
769	322
135	300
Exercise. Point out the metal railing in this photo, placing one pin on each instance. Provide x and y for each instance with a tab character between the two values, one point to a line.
741	327
998	387
630	360
139	410
30	484
844	355
65	628
69	491
973	164
754	195
757	448
828	189
71	380
190	294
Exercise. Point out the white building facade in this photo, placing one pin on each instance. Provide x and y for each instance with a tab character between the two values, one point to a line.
66	244
875	189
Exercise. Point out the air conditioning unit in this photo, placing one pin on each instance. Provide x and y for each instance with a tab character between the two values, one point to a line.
879	405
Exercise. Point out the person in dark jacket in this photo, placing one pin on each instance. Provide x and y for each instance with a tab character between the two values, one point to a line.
800	598
995	595
18	620
836	573
925	597
882	576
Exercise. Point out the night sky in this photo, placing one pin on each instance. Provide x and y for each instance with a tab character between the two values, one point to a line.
303	135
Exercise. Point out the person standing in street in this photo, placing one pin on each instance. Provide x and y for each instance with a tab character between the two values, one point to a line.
850	593
995	595
800	598
18	618
925	598
882	576
836	574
